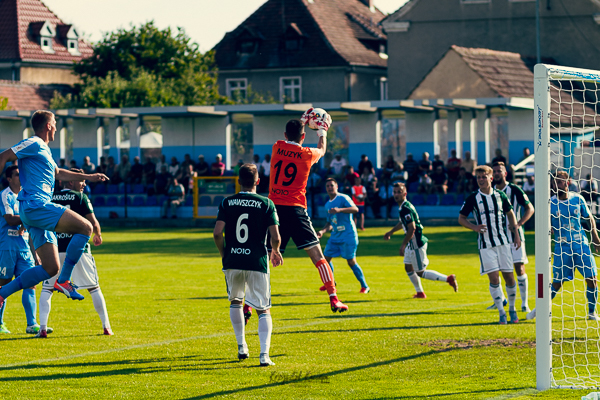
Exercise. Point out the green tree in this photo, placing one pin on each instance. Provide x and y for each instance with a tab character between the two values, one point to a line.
144	66
3	103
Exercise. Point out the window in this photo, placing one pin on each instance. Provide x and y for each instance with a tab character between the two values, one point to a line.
237	89
46	43
73	47
292	44
290	89
246	47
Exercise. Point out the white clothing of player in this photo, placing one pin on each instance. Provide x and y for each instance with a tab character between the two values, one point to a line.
253	286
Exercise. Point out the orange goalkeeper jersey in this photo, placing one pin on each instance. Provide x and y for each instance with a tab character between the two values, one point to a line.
290	167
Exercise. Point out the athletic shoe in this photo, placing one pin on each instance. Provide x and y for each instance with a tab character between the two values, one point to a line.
42	334
493	306
108	332
247	313
514	318
502	320
243	353
323	288
365	290
525	308
337	305
419	295
33	329
452	282
265	361
4	329
68	289
531	315
593	317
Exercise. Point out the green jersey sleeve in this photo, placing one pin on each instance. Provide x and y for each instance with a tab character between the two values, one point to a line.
406	216
506	206
272	217
521	196
221	215
468	205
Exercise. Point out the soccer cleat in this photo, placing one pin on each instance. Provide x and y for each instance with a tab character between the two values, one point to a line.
68	289
243	352
502	320
493	306
452	282
265	361
514	318
323	288
419	295
42	334
32	329
3	328
525	308
531	315
593	317
365	290
247	313
108	332
337	305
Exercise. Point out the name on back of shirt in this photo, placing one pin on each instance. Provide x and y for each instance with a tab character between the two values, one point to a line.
244	203
289	153
63	197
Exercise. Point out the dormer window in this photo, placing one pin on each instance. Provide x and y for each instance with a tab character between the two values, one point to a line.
247	47
293	38
45	33
70	37
248	41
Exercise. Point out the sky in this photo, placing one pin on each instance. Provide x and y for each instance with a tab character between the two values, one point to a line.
205	21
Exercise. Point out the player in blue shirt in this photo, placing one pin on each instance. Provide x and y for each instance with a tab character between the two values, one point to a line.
571	248
344	238
15	255
40	216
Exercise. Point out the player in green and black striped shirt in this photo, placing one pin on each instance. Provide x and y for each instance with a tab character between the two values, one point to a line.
245	219
414	246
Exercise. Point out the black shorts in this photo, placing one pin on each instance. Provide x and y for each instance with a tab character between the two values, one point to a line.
294	223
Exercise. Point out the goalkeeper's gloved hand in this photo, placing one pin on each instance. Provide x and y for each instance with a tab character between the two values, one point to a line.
323	123
308	114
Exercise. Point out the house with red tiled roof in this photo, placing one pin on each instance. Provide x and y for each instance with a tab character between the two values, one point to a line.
307	51
36	46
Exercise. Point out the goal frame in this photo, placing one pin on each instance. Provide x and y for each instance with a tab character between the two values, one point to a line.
543	75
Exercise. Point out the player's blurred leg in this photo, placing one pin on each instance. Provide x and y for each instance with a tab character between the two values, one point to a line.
236	316
265	328
100	307
45	307
415	280
247	313
358	273
434	276
3	328
29	305
591	294
523	283
496	293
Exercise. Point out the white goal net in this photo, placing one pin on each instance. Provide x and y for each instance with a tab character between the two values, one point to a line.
567	166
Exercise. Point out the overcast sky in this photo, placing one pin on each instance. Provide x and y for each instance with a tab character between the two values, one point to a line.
205	21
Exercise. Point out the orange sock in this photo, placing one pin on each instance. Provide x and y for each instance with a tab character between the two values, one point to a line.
326	275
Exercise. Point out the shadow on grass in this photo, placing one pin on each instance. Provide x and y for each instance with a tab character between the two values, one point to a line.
472	392
327	375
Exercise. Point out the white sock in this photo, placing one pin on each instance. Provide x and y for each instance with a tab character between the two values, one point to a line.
265	327
434	276
45	307
416	281
100	306
236	315
523	287
496	292
511	293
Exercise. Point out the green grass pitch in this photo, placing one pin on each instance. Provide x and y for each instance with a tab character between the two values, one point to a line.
167	303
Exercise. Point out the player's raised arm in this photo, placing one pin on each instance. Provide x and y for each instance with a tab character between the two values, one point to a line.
67	176
218	237
323	231
396	228
276	257
320	120
7	155
410	232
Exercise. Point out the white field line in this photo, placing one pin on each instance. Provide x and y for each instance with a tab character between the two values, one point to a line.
214	335
513	395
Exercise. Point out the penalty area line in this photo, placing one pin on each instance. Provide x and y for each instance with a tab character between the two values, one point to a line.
214	335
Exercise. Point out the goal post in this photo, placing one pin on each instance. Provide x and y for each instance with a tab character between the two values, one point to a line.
565	114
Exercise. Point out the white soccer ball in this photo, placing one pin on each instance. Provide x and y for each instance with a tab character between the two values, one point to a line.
317	114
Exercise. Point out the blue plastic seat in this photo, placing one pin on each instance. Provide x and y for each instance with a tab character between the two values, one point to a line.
112	201
413	187
189	201
447	200
418	200
139	201
204	201
230	188
113	189
151	201
99	189
122	200
229	172
432	200
138	189
460	199
217	200
99	201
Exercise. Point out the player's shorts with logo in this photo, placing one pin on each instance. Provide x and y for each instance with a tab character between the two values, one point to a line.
567	258
519	255
294	223
417	258
345	249
14	263
497	258
40	219
85	274
251	287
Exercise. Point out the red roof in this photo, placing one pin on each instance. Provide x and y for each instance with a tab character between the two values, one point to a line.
23	96
19	43
333	33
